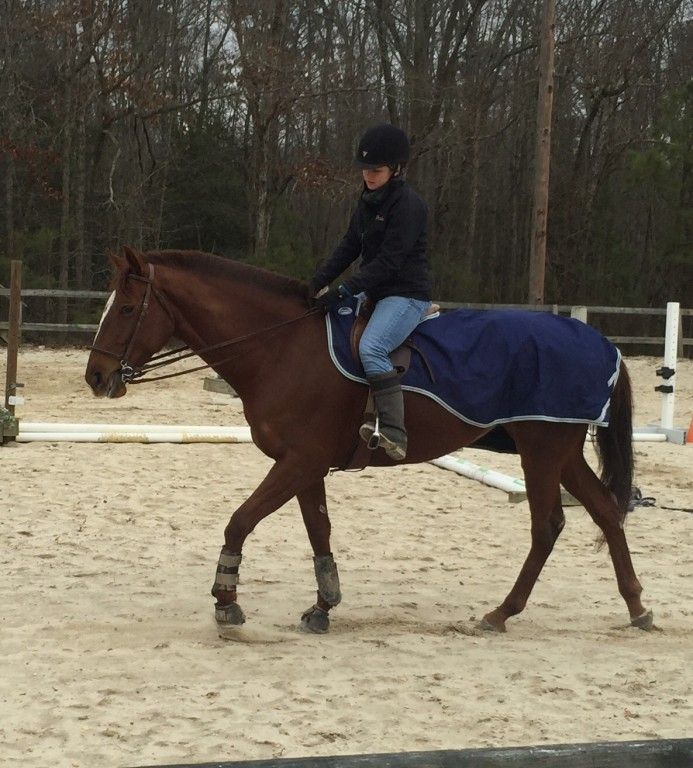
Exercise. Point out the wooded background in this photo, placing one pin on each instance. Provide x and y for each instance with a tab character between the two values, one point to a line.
230	127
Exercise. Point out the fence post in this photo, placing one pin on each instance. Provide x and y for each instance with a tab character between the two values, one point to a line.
8	429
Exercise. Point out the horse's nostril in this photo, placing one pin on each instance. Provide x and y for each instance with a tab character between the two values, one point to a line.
95	379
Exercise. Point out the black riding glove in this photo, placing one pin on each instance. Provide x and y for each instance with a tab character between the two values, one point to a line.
314	286
332	297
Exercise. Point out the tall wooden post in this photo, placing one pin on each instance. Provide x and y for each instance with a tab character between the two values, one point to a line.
542	156
13	334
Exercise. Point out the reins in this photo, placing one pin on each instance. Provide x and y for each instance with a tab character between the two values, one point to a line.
165	358
138	375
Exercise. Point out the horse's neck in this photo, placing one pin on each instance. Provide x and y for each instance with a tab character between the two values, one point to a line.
211	311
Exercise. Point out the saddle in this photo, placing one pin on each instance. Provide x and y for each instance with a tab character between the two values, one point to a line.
401	357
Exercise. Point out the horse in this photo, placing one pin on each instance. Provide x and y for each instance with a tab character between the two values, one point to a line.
261	332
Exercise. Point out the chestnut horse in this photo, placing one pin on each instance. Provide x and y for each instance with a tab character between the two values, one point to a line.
260	332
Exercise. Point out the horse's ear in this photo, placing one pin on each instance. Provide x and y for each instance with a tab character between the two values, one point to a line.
117	261
135	260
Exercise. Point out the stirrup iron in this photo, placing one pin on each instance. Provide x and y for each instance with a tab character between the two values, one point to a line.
374	439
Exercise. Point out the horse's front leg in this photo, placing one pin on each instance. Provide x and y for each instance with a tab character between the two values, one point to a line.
287	477
314	511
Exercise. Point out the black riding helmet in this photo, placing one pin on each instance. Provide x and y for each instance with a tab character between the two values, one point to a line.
383	144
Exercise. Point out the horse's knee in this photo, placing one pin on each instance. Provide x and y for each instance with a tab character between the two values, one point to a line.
557	523
237	531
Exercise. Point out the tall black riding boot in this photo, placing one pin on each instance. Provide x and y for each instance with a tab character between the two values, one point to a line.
389	403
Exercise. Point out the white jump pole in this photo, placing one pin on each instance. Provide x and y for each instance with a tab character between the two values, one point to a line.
130	433
48	426
643	436
127	437
481	474
513	486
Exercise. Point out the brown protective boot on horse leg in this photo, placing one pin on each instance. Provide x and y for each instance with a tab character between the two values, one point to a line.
389	403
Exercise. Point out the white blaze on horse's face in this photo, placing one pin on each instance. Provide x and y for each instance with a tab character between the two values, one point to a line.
109	304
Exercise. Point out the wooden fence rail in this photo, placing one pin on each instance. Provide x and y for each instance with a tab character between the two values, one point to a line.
670	753
559	309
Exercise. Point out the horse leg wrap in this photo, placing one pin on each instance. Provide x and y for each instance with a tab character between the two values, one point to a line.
227	573
328	579
230	614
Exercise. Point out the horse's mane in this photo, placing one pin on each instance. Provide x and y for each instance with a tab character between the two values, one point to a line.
220	267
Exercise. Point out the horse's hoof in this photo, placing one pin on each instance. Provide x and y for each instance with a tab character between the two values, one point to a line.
644	621
315	620
488	625
229	614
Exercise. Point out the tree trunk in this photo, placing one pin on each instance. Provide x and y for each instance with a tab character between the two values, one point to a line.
64	254
474	194
388	79
204	84
82	263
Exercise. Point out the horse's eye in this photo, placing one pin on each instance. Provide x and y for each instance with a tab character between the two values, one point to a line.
127	310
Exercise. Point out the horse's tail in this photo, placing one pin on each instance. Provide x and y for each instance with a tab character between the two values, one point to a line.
615	443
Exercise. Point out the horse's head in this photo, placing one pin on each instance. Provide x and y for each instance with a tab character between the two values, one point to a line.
136	324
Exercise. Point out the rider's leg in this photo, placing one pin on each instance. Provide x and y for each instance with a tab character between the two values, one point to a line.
389	404
392	321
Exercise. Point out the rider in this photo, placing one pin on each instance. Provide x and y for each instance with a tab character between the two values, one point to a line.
388	231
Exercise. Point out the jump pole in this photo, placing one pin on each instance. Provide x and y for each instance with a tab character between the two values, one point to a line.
130	433
513	486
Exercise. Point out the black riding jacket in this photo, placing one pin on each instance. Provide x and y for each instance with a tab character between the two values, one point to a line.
390	237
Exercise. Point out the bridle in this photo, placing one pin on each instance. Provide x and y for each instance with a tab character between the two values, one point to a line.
127	371
133	374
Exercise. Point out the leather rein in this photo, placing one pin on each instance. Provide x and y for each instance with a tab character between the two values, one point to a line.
132	374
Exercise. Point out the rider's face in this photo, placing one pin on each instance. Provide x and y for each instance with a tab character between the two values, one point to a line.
375	178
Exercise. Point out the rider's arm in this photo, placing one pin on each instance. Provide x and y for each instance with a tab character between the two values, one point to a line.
348	250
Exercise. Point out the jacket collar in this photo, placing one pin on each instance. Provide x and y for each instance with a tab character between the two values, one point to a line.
375	198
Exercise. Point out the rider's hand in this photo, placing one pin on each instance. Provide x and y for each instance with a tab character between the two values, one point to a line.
331	298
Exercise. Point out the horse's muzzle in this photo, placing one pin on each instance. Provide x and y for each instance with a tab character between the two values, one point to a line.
116	386
111	386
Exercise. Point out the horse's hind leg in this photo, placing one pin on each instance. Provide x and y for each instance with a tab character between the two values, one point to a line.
544	497
314	510
579	479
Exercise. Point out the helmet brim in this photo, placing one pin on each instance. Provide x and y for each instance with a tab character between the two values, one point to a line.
366	166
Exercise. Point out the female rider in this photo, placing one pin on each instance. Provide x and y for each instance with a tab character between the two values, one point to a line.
388	231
